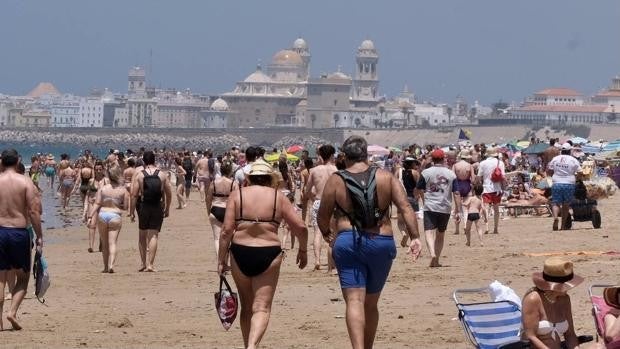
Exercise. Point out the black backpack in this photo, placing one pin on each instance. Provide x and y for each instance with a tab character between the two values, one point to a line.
151	189
365	208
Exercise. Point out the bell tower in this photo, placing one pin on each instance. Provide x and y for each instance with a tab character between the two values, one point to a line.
365	87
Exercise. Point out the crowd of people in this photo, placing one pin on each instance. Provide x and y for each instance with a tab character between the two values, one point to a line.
258	209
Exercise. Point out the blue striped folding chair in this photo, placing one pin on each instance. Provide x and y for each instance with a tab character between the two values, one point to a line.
490	325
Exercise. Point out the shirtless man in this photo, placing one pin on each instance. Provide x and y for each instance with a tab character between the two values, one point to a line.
464	178
112	159
202	175
314	191
154	207
19	204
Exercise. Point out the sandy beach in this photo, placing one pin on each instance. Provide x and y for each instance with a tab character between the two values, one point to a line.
173	308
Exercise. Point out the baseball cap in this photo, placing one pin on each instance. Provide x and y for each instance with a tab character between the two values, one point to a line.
567	146
438	154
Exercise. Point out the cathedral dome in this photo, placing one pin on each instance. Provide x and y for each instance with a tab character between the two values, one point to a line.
258	77
367	45
300	43
219	105
287	57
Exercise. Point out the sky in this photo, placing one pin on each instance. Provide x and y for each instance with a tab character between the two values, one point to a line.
483	50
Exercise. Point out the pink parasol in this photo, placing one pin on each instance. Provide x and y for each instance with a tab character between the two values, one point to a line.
294	148
377	150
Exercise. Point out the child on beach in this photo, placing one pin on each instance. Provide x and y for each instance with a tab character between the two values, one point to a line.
474	209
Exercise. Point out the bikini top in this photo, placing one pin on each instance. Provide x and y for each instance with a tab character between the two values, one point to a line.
106	198
257	220
554	329
222	195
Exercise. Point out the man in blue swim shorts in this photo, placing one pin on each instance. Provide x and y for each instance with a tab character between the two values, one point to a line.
563	167
18	195
363	244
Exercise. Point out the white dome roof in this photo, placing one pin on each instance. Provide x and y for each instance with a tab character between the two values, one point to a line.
300	43
219	105
287	57
339	75
367	45
258	77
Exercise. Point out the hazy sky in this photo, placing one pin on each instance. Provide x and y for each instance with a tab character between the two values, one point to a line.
481	49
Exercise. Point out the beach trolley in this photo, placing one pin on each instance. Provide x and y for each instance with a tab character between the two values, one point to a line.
599	309
490	325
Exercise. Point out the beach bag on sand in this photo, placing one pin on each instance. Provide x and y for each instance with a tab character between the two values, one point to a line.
41	276
226	303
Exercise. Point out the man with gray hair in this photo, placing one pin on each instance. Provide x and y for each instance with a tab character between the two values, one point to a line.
359	199
19	204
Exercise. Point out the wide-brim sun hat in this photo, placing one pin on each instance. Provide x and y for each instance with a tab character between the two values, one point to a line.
262	168
557	275
50	157
610	294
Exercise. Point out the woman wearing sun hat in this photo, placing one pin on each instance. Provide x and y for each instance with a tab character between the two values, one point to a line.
547	313
250	232
612	324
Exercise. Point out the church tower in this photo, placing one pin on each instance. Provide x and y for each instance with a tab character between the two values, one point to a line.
365	87
300	46
137	82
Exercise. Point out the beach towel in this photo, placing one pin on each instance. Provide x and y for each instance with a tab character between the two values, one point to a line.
41	276
226	303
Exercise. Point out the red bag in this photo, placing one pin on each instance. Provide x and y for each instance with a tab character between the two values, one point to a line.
497	175
226	303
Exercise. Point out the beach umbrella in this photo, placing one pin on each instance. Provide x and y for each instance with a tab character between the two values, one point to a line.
579	140
374	149
523	144
295	148
536	148
395	149
273	157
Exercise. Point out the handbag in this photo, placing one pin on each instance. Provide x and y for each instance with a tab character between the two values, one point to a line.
226	303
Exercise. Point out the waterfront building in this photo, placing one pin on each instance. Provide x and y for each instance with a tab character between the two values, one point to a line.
176	109
91	112
66	112
218	114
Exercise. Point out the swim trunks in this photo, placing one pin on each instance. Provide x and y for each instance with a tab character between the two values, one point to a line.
50	171
315	211
363	260
562	193
14	249
492	198
463	187
436	220
472	217
150	217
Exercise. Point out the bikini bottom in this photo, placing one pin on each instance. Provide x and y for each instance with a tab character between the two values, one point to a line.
253	261
108	216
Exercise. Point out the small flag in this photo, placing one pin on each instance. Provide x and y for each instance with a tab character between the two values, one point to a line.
464	135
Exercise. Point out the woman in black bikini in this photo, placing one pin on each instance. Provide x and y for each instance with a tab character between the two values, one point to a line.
250	231
217	195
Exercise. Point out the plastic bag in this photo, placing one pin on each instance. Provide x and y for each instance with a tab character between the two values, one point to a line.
41	276
501	292
226	304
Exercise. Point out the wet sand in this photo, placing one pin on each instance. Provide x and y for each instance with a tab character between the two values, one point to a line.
174	307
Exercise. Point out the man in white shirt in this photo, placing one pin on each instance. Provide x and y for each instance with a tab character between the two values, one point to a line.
563	167
492	187
251	153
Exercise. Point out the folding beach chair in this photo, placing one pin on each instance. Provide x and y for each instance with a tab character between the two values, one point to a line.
490	325
599	309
